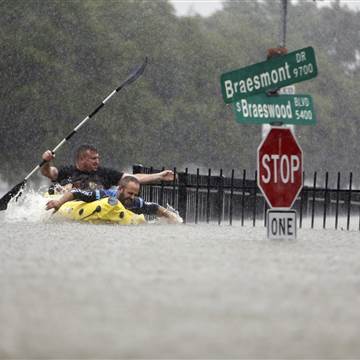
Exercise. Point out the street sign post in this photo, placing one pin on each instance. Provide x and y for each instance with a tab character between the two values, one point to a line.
277	72
287	90
288	109
280	168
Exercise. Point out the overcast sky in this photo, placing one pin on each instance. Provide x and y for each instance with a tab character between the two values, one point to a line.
207	7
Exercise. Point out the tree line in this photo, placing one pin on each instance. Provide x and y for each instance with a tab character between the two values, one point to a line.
61	58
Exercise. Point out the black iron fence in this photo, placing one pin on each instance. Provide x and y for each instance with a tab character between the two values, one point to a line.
236	198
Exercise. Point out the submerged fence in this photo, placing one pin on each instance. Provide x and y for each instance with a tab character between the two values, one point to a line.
237	199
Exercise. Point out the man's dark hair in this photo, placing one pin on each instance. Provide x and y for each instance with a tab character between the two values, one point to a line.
128	179
81	150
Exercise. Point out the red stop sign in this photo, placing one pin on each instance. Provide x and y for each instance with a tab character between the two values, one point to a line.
280	168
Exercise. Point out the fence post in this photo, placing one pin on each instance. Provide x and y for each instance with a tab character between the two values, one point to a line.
182	195
208	197
161	195
197	196
349	203
266	207
313	201
174	188
231	196
304	201
220	197
243	198
337	201
325	198
255	195
138	169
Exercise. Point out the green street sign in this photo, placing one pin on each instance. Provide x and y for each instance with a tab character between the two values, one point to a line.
277	72
262	109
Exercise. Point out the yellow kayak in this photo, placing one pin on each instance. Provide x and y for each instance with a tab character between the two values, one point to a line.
106	210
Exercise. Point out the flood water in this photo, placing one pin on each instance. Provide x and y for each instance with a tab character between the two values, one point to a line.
71	290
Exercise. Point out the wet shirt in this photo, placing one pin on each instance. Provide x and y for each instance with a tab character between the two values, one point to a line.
102	178
138	206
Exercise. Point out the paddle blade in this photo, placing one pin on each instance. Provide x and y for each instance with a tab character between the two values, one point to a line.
9	195
134	75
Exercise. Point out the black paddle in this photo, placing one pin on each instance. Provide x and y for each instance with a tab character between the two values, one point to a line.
16	190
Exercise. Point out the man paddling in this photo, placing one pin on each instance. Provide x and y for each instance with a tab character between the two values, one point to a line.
126	193
88	174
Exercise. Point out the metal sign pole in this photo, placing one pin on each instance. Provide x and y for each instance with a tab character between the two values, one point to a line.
282	36
283	23
282	44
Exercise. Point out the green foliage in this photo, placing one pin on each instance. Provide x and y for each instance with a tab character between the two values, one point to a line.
61	58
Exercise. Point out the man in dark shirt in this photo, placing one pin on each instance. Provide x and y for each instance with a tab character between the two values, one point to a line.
126	193
88	174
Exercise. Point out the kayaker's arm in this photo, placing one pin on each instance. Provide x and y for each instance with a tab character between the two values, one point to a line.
165	175
47	169
171	217
76	194
91	195
56	204
143	207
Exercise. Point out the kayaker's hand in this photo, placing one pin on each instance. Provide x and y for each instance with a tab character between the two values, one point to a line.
170	215
53	204
48	155
173	218
166	175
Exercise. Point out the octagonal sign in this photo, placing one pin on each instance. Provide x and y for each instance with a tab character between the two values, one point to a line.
280	168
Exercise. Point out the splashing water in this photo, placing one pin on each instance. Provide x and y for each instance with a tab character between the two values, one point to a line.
179	219
30	207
